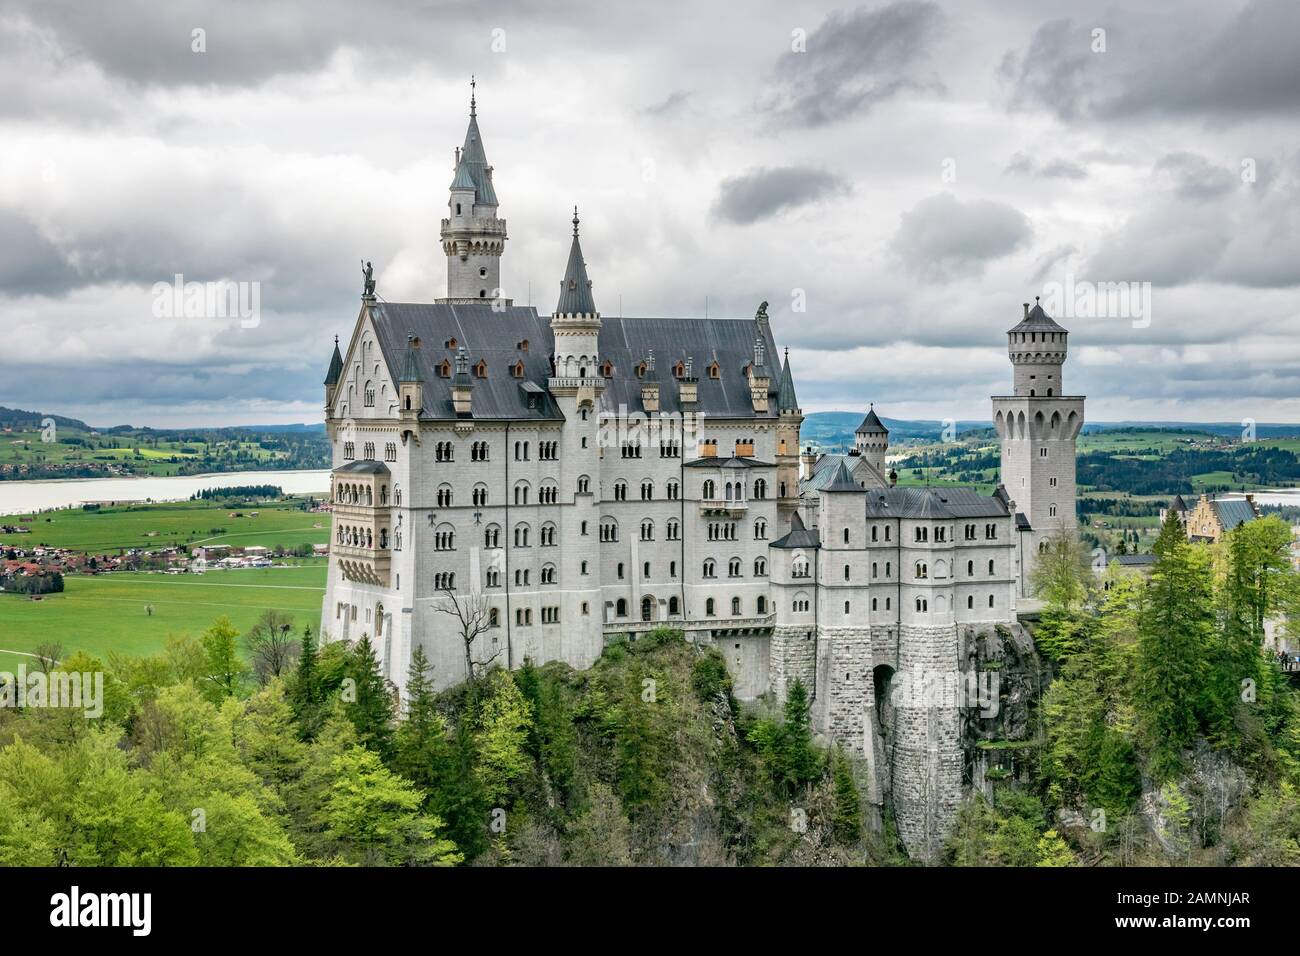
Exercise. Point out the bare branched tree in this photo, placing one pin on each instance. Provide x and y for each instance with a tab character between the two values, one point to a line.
272	645
473	613
48	655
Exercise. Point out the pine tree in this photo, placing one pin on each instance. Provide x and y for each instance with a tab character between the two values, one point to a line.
371	712
847	822
305	694
1176	634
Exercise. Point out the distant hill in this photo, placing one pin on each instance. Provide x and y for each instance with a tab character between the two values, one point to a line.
17	418
835	429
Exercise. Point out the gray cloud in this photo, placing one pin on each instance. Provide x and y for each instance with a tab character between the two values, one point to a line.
1051	169
30	263
855	60
1245	68
761	193
1203	223
943	238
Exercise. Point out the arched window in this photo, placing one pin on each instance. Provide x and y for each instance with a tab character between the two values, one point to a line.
735	607
708	607
620	607
762	604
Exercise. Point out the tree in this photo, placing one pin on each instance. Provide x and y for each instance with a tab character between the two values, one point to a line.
505	719
305	695
847	821
371	712
371	815
473	614
1176	630
271	645
224	670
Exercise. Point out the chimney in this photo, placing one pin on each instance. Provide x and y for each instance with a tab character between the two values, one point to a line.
688	390
1026	310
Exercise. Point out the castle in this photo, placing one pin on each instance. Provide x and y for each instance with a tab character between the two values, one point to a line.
509	486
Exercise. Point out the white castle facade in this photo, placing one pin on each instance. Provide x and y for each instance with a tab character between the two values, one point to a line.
567	479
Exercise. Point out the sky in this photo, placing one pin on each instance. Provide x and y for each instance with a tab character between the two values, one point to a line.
894	179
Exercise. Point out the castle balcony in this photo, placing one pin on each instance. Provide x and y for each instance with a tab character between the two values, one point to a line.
478	226
365	565
730	506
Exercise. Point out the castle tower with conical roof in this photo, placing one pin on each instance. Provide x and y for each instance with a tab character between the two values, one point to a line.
473	238
1038	426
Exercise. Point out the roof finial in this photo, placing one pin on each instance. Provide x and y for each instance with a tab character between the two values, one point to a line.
575	222
336	341
472	105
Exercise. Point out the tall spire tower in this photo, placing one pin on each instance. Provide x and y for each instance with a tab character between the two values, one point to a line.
1038	425
473	238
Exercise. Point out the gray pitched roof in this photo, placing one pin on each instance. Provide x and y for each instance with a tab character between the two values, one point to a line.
486	334
1178	504
1233	512
1135	560
336	365
626	342
862	471
842	480
363	468
492	336
575	287
872	425
934	503
798	536
785	397
1037	321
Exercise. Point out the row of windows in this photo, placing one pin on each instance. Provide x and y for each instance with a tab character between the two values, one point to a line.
733	490
734	566
801	604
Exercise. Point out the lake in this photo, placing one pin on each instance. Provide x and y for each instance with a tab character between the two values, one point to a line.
22	496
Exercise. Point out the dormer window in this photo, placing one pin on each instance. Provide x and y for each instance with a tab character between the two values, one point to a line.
518	370
444	369
679	370
480	369
607	369
522	346
714	370
451	344
640	370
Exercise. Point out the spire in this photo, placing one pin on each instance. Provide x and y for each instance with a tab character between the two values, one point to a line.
474	159
785	397
575	288
411	369
336	365
473	111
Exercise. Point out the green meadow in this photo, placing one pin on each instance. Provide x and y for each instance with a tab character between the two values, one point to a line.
152	526
106	612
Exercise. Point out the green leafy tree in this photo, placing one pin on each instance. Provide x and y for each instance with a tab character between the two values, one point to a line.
505	720
224	669
370	815
1176	633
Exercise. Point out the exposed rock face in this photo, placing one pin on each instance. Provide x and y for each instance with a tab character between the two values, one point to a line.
1189	812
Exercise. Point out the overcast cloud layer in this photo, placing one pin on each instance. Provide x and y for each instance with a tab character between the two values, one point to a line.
906	173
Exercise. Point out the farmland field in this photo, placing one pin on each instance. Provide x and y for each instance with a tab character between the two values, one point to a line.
104	613
155	526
